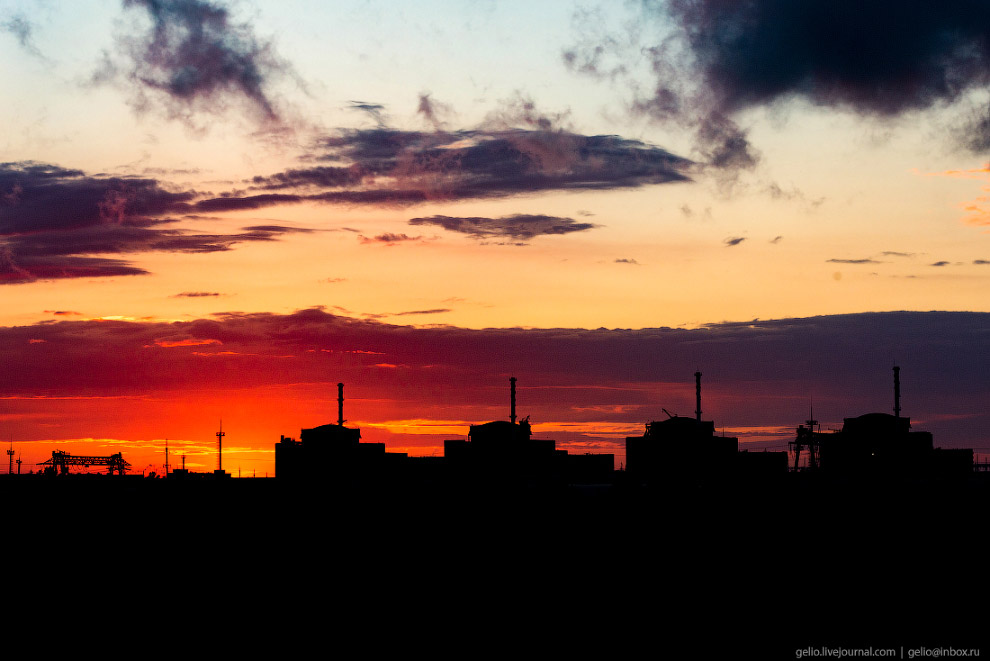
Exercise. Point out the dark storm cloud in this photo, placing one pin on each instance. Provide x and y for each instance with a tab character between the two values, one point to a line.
755	372
873	58
519	227
869	57
53	220
194	58
392	167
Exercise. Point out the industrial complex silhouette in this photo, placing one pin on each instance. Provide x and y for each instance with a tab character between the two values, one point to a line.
676	451
847	519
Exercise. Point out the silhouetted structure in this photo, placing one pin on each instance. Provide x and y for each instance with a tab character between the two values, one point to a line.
60	462
332	453
679	449
500	450
879	444
505	452
220	435
183	474
875	443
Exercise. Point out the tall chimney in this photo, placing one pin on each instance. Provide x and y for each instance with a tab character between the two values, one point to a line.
340	404
897	392
512	395
697	389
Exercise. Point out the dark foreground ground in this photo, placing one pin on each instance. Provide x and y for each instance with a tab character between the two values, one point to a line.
742	570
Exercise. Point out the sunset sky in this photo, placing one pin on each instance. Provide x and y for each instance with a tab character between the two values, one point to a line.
221	209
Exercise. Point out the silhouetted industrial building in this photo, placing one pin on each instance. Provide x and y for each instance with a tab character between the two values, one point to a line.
681	448
749	465
504	451
329	452
879	444
182	474
500	450
674	451
332	453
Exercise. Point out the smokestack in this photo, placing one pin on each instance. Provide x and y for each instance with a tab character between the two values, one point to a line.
697	390
897	392
512	395
340	404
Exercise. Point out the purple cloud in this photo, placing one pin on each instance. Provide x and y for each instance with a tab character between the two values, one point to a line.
518	228
194	58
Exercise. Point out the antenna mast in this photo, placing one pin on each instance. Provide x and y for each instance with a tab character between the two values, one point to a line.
220	436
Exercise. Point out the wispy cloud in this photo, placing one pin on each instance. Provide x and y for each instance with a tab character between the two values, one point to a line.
418	312
23	30
407	313
863	260
60	223
189	342
389	238
518	229
391	167
193	58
